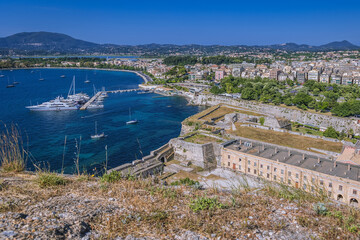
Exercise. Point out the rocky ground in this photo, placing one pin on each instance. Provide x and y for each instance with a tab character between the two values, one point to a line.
87	208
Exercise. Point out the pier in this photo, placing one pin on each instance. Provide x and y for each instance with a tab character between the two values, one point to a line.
85	106
124	90
98	94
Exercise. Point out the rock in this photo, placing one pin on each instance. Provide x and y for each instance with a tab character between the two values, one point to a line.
9	233
20	216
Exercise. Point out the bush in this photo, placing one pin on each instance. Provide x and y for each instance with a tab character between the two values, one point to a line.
47	179
114	176
185	181
205	203
262	121
320	209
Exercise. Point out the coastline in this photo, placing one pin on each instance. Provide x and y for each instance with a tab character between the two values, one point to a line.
145	77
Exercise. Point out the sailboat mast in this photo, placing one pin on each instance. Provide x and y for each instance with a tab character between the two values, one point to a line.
74	85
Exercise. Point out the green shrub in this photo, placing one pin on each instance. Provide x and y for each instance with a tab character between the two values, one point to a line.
205	203
114	176
47	179
320	209
185	181
262	121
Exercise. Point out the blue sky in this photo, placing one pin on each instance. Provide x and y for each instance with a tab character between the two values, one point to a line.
184	22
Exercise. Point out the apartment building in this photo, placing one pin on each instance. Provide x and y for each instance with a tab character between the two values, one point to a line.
313	75
300	169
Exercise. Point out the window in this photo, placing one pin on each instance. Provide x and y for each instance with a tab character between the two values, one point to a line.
282	179
312	188
321	182
228	156
254	171
261	173
354	192
249	162
304	186
274	177
228	164
304	177
329	193
261	166
268	167
289	174
282	171
312	180
254	164
289	181
340	187
268	175
275	169
239	167
239	159
248	169
297	175
330	185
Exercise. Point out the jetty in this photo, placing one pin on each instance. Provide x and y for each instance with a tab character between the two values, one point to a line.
124	90
95	97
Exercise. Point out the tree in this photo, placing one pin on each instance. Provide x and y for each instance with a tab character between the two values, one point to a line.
331	132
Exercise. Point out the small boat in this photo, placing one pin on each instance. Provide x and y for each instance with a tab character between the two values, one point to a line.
131	121
10	85
41	79
1	75
96	135
87	80
62	76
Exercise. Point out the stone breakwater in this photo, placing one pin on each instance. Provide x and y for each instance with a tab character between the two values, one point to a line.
303	117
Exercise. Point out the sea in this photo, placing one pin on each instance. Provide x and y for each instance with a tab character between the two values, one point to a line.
44	133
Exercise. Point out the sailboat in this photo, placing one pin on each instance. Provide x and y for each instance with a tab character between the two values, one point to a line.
62	76
87	80
96	135
10	85
41	79
131	121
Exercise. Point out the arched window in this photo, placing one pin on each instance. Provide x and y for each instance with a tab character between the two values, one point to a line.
354	202
340	197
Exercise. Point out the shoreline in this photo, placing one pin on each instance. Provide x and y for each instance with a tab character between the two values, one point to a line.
146	78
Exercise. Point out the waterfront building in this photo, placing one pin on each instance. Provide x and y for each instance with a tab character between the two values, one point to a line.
274	73
313	75
219	74
312	172
324	78
335	78
301	77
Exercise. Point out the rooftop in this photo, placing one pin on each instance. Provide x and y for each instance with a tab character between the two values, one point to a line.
307	160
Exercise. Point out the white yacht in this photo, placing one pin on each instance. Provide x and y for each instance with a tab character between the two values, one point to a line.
58	104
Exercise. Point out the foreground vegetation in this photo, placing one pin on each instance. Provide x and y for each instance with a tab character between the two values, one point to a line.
147	208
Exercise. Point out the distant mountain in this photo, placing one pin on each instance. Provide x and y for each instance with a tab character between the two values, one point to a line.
333	46
44	41
47	43
343	45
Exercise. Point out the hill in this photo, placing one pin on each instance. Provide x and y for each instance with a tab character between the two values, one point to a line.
47	43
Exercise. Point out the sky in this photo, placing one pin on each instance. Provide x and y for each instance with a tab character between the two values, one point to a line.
209	22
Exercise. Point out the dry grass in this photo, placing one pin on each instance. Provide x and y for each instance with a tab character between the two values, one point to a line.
152	210
202	139
286	139
12	153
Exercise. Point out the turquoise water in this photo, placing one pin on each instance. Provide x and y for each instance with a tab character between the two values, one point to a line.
44	132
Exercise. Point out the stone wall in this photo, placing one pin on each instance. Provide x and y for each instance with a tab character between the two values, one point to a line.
303	117
203	155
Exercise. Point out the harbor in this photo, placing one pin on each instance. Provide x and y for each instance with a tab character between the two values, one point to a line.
121	137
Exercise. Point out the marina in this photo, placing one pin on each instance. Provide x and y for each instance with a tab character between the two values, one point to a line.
159	118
